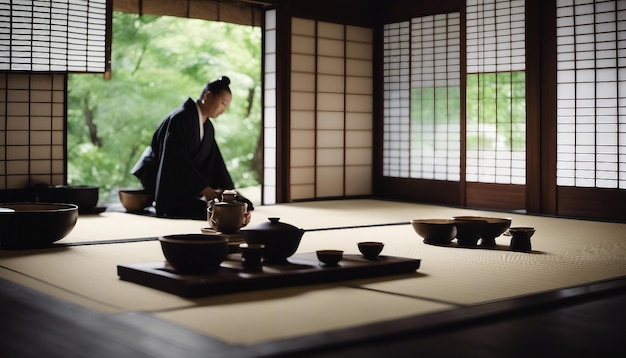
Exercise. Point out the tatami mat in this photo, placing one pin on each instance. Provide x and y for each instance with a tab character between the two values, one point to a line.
112	226
565	253
287	313
471	276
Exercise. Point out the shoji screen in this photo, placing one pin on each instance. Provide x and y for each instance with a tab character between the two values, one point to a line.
435	97
591	93
358	121
496	92
396	127
422	98
32	129
40	41
53	35
269	108
331	110
302	117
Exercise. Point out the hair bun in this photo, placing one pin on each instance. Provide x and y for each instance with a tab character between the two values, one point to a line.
225	80
216	86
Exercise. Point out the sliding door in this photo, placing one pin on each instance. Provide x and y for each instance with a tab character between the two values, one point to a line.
454	124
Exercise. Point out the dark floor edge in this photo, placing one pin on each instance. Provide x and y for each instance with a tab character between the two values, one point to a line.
429	324
19	300
64	329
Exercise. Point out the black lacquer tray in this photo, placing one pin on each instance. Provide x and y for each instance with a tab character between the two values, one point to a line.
301	269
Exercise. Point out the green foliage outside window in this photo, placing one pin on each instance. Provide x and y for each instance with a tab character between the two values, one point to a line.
436	105
434	113
496	111
157	62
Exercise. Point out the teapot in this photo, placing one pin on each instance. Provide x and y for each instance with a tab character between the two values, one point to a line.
280	240
227	215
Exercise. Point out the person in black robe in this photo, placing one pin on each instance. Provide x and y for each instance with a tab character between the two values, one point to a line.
183	167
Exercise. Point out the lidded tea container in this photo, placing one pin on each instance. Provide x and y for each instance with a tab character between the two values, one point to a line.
226	216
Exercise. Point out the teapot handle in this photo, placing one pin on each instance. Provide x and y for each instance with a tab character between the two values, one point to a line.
210	206
210	215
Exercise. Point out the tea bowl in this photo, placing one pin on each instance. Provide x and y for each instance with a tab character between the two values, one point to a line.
329	257
35	225
435	231
194	253
469	229
370	249
135	199
84	196
493	227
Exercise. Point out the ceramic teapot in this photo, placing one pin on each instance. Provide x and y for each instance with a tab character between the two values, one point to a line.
227	215
280	239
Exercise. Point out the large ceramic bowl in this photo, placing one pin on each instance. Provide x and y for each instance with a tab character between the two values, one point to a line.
194	253
86	197
281	240
135	199
35	225
492	228
469	230
435	231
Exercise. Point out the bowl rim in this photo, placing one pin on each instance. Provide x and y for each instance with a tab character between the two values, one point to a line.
371	243
329	252
52	207
433	221
194	239
71	187
488	219
134	191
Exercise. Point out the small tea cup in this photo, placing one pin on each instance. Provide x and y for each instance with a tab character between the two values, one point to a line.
251	256
520	238
329	257
370	249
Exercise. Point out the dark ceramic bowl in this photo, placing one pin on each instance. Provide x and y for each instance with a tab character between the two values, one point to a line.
435	231
86	197
194	253
281	240
493	227
469	230
370	249
329	257
35	225
135	199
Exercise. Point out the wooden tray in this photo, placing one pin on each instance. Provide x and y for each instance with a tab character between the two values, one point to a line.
302	269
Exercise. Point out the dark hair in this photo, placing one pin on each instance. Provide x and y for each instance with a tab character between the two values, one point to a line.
217	86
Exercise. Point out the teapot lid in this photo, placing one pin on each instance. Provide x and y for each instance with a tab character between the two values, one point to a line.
273	224
229	195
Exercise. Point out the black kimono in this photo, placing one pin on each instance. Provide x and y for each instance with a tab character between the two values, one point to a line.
177	165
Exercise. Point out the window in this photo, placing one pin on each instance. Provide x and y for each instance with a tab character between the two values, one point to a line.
422	116
269	108
496	92
458	137
53	36
591	93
